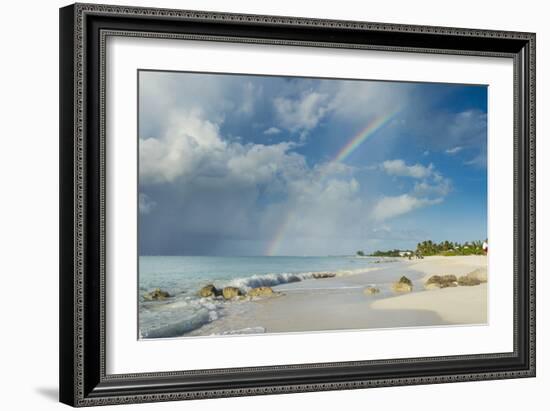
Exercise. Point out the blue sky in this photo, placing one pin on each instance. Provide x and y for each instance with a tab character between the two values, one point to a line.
257	165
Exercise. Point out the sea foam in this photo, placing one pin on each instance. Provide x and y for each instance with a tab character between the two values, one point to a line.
176	329
271	280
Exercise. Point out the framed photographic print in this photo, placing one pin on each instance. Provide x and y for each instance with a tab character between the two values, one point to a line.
261	204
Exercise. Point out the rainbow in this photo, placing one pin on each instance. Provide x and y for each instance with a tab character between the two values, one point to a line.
352	144
355	142
277	239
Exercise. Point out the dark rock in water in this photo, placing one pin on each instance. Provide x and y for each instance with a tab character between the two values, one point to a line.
260	292
371	290
404	285
468	281
323	275
231	292
449	278
441	281
209	291
156	294
401	287
405	280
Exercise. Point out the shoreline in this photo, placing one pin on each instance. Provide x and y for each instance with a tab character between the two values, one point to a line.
340	303
455	305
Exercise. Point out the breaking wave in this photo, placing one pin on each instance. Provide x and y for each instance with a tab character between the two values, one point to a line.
178	317
176	329
271	280
186	311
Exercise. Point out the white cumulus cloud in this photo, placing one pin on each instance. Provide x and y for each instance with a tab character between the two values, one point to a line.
439	187
180	150
400	168
430	187
192	147
272	130
393	206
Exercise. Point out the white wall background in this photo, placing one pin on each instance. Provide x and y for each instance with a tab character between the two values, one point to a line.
29	203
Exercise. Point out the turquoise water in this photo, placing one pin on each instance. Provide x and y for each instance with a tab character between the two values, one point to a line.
186	273
183	276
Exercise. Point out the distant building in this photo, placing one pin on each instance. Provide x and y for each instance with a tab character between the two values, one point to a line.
404	253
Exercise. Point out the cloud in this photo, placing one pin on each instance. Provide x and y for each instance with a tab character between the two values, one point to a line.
262	164
468	126
453	150
389	207
452	133
319	216
241	193
250	94
193	147
440	188
180	150
400	168
356	101
220	98
478	161
294	104
272	131
385	232
303	112
145	203
211	185
430	188
211	191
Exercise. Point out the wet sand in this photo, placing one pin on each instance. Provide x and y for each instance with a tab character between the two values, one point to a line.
341	304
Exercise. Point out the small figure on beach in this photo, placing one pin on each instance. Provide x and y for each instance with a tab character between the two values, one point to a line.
485	247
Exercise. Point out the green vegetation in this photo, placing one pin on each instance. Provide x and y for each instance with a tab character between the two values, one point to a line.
449	248
390	253
428	247
360	253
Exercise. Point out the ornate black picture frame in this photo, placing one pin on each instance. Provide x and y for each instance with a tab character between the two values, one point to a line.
83	30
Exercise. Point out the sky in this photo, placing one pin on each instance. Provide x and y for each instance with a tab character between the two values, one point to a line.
240	165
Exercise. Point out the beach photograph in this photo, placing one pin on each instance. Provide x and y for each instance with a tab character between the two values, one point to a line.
278	204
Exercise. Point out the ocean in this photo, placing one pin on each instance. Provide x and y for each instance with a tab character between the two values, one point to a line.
184	276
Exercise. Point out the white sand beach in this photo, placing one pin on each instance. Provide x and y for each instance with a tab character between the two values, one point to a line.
456	305
437	265
340	303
